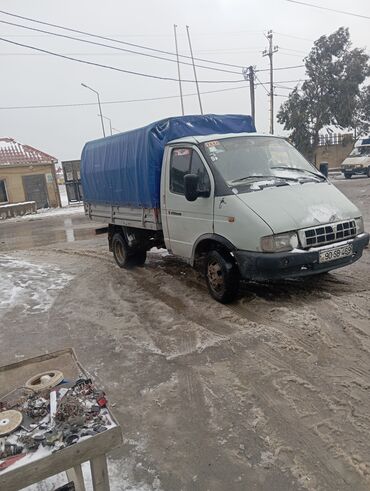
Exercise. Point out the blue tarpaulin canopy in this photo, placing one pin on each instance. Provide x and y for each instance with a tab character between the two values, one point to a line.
125	169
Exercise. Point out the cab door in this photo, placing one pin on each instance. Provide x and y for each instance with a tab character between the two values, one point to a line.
186	220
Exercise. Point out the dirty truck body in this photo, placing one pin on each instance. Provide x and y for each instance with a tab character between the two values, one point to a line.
214	192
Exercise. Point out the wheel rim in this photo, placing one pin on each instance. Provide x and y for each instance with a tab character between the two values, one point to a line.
119	250
215	276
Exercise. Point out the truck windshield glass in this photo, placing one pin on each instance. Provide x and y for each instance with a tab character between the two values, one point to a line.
248	158
360	151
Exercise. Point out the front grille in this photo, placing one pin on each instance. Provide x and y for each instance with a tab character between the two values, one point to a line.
326	234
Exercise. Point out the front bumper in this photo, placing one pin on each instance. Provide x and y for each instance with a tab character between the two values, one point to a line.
260	266
354	170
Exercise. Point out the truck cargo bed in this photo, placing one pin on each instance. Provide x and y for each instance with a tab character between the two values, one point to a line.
146	218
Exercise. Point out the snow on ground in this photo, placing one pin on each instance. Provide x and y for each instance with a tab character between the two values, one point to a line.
52	212
119	479
29	287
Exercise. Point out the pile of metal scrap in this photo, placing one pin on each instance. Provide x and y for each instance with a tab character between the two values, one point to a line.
49	413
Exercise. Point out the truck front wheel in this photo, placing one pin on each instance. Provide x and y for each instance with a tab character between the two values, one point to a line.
222	277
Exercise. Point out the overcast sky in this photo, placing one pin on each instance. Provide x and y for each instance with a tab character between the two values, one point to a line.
228	31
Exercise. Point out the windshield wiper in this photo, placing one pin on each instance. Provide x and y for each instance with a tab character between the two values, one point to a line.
298	169
260	176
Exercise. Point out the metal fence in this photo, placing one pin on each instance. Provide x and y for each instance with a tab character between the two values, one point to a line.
335	139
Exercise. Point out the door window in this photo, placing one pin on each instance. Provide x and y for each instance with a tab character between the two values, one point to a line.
198	168
186	161
180	166
3	193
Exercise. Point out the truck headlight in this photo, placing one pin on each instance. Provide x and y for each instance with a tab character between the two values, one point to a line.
279	242
359	225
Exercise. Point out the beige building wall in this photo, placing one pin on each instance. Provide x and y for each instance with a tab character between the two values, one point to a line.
14	183
333	154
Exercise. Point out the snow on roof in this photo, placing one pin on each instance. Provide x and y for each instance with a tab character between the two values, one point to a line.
15	153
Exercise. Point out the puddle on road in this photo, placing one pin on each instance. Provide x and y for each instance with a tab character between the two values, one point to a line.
73	234
28	234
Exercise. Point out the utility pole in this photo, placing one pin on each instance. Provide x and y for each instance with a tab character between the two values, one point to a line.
271	50
249	76
195	72
178	68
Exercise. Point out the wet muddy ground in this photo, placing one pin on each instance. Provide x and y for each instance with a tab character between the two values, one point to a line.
270	393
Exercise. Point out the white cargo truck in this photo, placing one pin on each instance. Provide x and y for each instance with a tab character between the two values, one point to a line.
245	206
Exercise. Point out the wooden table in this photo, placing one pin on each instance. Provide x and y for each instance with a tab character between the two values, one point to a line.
69	459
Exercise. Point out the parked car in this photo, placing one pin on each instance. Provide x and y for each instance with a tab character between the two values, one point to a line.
214	192
358	161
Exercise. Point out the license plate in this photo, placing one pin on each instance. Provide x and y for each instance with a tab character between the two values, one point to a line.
335	253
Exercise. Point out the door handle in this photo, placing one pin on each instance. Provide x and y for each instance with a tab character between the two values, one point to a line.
176	213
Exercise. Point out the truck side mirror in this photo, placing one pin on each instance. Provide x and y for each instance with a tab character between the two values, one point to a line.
191	187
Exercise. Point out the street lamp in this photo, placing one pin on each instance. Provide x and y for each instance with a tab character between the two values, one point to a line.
110	123
101	115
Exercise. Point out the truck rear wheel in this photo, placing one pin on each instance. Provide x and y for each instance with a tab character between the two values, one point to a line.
124	256
222	277
368	171
347	175
121	251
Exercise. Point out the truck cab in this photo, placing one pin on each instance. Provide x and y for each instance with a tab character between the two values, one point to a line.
250	207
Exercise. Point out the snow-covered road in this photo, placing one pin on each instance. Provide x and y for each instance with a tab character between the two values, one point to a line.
271	393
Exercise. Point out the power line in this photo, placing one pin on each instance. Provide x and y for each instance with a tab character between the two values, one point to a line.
281	68
283	87
293	50
291	54
103	54
219	33
330	10
260	83
65	36
109	67
294	37
137	45
114	40
148	99
49	106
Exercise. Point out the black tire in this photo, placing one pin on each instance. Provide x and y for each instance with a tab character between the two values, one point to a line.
222	277
121	252
368	171
347	175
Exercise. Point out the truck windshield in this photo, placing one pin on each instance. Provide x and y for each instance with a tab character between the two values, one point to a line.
360	151
248	158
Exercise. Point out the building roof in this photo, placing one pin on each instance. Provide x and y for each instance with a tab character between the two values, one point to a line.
13	153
